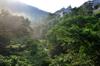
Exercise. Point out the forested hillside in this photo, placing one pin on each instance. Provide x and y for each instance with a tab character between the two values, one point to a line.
70	40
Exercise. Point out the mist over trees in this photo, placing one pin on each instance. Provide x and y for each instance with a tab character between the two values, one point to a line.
13	25
70	40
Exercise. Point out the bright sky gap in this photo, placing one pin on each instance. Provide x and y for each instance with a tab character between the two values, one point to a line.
52	5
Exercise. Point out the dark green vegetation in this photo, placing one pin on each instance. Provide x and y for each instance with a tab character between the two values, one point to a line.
72	40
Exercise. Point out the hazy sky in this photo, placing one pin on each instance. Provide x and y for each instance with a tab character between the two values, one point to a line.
53	5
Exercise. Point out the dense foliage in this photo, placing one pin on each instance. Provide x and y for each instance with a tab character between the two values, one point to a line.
76	41
71	40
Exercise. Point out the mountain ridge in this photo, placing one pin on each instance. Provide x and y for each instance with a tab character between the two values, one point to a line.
35	14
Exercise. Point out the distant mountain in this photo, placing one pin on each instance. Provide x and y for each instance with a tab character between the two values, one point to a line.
35	14
63	11
38	17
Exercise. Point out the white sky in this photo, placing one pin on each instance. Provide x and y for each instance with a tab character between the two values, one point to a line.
53	5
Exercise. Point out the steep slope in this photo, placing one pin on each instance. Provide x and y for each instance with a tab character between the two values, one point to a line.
35	14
